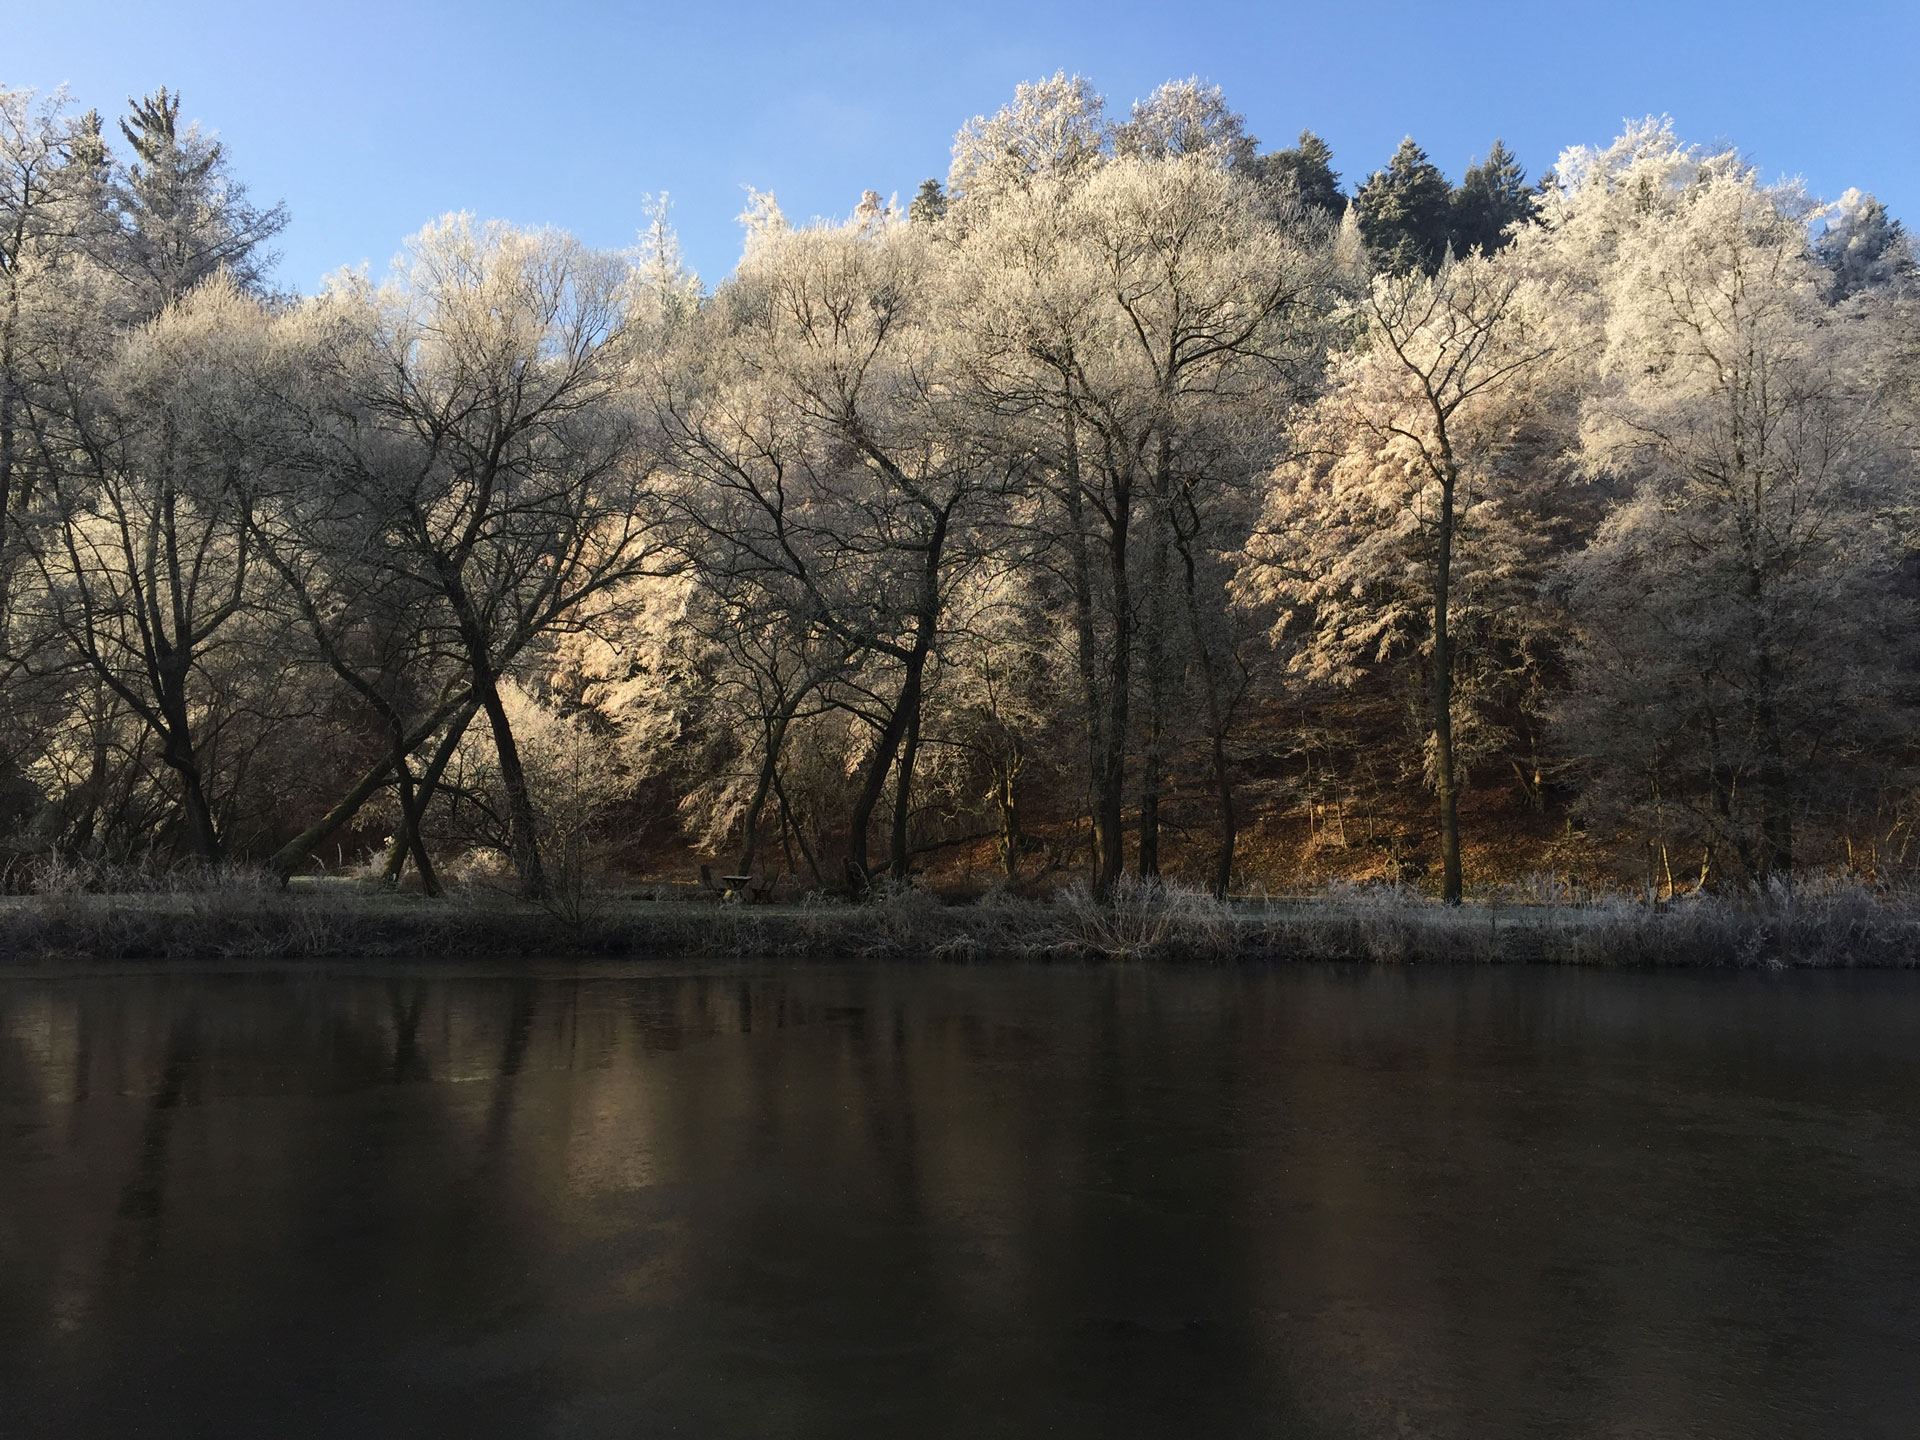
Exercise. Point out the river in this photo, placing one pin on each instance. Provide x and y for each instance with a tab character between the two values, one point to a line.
927	1201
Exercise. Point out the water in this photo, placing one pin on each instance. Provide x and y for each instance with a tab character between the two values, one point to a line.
938	1201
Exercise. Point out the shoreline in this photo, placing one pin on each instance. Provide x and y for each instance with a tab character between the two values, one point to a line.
1845	930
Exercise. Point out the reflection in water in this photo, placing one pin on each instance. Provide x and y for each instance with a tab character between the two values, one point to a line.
927	1201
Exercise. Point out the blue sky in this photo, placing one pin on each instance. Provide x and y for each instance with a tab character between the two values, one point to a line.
369	119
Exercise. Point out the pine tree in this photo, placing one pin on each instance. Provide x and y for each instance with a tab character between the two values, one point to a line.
929	205
1405	211
1307	172
1862	245
1492	197
182	217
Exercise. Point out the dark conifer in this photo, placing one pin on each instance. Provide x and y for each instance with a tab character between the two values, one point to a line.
1492	197
1405	212
1307	172
929	205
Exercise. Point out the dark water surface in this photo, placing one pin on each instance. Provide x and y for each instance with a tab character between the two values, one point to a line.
936	1201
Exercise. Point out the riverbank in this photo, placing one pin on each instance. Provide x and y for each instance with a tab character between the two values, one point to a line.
1830	929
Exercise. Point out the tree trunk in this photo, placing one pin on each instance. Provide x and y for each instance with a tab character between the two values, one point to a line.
1153	757
859	871
410	840
1110	793
1776	790
791	826
903	799
1013	840
289	856
1443	705
9	440
1082	571
1219	716
178	752
905	719
6	479
763	787
523	837
428	783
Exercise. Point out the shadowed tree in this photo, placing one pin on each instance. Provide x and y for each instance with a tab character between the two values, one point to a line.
1492	198
1404	212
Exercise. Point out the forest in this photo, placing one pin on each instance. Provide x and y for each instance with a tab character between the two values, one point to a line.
1133	502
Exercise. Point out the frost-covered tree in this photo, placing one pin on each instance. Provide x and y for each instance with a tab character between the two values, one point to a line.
140	543
824	466
1185	117
48	194
180	214
1409	519
1133	332
1053	128
1862	245
488	421
1738	614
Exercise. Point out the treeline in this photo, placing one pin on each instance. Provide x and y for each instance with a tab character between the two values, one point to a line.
1000	519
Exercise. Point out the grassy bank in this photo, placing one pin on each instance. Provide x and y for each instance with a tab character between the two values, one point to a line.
236	920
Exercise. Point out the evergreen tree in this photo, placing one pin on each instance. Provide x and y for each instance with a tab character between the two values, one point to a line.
929	205
182	217
1307	172
1493	196
1405	212
1862	245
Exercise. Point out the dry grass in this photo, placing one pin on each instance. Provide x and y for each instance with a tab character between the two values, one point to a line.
236	914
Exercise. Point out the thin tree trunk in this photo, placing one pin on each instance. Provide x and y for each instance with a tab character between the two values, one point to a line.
903	799
1082	570
1219	718
1443	706
289	856
428	782
788	823
1013	839
1776	823
410	841
7	462
1110	795
1153	757
763	787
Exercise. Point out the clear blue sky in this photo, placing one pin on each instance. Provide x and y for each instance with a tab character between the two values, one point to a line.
370	118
